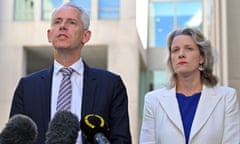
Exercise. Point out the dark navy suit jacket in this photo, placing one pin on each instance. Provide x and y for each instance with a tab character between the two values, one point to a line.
103	93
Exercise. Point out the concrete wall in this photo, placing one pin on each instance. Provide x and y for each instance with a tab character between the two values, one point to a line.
233	38
122	40
119	35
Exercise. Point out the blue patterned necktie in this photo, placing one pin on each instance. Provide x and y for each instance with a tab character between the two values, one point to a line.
65	90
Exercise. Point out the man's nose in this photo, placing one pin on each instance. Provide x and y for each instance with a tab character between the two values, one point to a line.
63	26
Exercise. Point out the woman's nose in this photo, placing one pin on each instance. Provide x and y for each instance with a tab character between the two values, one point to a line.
181	54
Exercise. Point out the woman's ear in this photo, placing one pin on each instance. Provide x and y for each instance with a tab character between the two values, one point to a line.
202	59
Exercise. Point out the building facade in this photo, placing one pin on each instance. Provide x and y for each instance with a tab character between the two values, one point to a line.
129	41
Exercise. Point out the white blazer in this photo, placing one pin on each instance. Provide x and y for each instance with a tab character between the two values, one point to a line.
216	121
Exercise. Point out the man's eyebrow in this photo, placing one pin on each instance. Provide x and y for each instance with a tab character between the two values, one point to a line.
58	18
72	19
69	19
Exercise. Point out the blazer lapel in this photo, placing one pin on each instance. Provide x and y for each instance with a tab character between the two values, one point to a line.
206	105
45	89
169	103
89	89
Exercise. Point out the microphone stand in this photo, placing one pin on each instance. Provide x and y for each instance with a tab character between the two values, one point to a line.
99	138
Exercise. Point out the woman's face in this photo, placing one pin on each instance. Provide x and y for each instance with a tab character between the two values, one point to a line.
185	55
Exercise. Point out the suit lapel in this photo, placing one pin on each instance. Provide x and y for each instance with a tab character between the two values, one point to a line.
45	86
169	103
89	89
206	105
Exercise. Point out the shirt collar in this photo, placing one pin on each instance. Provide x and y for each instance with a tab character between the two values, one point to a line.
77	67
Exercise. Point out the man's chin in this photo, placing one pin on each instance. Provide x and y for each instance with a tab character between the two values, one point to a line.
62	48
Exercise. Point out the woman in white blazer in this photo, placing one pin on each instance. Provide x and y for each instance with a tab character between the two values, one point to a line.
192	109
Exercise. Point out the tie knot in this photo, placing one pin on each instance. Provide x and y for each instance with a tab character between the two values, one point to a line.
66	71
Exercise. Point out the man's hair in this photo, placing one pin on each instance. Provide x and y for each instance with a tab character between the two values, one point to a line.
84	17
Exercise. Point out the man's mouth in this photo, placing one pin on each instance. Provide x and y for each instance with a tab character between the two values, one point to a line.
62	36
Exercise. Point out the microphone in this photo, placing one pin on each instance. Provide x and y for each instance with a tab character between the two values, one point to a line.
20	129
63	128
94	129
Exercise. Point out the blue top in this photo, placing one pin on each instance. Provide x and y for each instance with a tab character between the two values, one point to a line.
188	106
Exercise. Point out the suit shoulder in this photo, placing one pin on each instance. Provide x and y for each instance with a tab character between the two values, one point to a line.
157	92
227	93
225	89
103	73
37	74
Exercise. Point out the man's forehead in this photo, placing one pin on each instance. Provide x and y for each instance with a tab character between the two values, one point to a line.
67	11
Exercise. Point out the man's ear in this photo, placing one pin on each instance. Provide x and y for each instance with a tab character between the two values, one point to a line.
86	36
49	35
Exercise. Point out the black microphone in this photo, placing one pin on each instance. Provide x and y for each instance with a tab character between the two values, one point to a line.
94	129
20	129
63	128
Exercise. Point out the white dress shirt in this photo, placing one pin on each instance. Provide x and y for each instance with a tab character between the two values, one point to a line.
77	89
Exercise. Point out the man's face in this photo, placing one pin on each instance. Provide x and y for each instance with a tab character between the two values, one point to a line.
67	30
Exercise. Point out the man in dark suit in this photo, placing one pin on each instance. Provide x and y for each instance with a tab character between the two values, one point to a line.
93	90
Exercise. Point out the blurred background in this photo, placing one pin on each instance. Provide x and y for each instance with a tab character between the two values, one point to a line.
128	38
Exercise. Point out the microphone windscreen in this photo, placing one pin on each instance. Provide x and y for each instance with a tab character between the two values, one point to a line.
63	128
20	129
91	124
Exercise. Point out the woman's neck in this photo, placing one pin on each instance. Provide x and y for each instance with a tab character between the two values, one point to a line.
189	86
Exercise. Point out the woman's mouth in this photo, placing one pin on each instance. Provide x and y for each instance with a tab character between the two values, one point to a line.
182	62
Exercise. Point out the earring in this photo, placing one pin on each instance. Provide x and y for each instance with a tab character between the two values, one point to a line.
201	68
